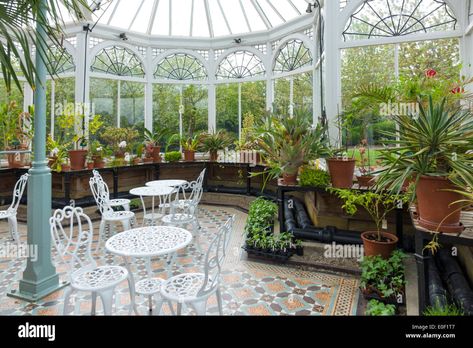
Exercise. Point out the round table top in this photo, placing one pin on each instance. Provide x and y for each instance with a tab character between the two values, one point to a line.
170	183
152	191
148	241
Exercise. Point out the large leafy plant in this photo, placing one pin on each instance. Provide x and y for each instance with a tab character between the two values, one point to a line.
157	136
287	143
215	141
437	142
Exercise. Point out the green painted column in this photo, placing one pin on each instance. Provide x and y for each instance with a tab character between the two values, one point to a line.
39	278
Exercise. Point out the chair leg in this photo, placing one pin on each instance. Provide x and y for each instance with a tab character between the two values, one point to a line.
94	303
150	303
67	295
179	308
196	234
219	301
107	301
159	305
126	224
200	307
101	234
13	224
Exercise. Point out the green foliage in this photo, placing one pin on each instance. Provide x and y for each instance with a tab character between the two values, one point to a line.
260	215
114	136
385	277
450	310
157	136
215	141
10	128
287	143
377	308
314	177
173	156
436	143
378	205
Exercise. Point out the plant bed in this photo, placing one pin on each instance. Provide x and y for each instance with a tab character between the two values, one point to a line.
268	254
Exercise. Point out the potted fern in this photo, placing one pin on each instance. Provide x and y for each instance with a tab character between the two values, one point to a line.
153	140
213	142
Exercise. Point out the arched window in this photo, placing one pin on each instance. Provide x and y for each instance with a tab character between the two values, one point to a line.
292	56
60	61
239	65
388	18
118	61
181	67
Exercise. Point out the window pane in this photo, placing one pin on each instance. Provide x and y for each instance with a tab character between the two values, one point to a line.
195	117
166	100
132	105
103	96
227	108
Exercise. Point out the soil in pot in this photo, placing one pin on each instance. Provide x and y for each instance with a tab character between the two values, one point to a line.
290	179
384	247
365	180
189	155
77	158
157	154
436	211
341	172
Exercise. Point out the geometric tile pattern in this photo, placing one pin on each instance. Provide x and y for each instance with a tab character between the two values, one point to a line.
248	287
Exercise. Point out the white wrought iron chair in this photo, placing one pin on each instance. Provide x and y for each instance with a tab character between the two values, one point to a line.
184	203
72	233
109	216
120	202
194	289
10	213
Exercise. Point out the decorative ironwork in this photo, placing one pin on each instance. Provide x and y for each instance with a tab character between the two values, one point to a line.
240	64
388	18
292	56
60	61
118	61
180	66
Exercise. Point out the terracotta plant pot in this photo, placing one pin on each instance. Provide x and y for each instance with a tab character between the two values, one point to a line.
436	211
341	172
373	247
136	161
189	155
12	161
157	154
120	154
90	165
213	156
99	162
77	158
289	179
365	180
148	160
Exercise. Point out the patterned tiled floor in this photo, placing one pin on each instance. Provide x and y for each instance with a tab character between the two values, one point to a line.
248	288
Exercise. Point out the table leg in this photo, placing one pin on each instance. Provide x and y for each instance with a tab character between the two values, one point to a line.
131	285
144	209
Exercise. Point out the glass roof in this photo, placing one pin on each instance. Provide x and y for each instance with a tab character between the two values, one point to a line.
195	18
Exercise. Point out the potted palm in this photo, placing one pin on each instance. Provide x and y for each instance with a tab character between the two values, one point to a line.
433	149
189	147
213	142
287	143
378	206
153	140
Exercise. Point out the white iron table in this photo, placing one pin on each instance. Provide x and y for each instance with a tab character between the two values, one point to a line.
169	183
156	191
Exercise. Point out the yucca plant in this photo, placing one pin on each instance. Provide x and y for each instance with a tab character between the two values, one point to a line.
434	143
213	142
287	143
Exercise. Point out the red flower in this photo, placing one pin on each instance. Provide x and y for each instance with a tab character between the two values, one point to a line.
430	73
458	90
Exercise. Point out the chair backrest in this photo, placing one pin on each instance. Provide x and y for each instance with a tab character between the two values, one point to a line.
214	259
99	177
18	192
101	194
72	233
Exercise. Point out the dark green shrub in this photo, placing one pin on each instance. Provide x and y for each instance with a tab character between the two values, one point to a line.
173	156
314	177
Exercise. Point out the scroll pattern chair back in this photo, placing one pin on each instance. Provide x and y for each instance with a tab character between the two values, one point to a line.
101	195
72	234
18	191
214	259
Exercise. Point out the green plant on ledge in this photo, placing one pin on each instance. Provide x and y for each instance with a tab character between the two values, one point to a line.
377	205
173	156
313	177
377	308
450	310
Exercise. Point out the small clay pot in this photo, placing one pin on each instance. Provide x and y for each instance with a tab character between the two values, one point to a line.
373	247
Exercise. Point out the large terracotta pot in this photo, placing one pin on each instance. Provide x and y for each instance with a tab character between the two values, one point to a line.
77	158
290	179
373	247
157	154
213	156
341	172
189	155
436	211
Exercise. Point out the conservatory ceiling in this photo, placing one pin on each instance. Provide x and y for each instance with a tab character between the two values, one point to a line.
194	18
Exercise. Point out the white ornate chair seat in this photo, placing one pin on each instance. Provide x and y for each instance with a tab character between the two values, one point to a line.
178	219
120	202
149	286
183	287
99	278
118	215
